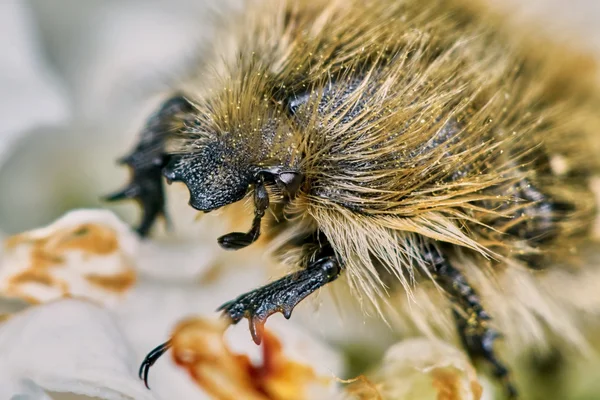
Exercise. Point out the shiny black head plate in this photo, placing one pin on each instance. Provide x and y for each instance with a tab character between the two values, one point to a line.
212	176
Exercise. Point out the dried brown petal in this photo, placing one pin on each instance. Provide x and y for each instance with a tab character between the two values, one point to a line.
420	369
199	347
85	253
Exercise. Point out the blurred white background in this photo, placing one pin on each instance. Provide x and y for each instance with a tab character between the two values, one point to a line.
78	78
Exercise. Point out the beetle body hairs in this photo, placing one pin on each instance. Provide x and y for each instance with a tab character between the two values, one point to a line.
400	143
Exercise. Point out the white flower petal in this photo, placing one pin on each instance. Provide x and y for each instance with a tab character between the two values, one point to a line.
88	253
68	346
178	260
19	389
421	369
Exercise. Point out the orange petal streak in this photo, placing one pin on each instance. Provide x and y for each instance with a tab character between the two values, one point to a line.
200	348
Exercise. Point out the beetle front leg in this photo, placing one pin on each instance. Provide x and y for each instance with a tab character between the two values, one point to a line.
284	294
146	162
239	240
288	181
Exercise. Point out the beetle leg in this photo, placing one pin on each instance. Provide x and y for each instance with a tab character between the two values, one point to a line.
476	334
150	359
284	294
146	162
239	240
